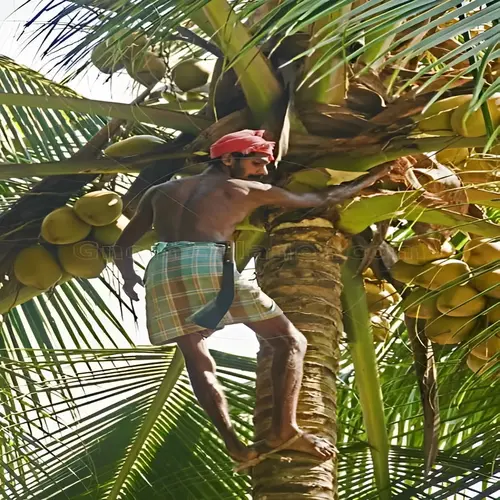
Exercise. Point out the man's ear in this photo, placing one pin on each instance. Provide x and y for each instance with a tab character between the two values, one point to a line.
226	158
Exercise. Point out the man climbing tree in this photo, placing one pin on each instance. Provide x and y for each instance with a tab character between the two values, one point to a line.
193	288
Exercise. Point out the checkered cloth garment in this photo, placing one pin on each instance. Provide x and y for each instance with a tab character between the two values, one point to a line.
182	277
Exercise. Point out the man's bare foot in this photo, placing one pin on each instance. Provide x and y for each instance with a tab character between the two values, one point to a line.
306	443
241	453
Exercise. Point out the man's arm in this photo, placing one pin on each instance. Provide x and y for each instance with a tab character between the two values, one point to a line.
140	223
265	194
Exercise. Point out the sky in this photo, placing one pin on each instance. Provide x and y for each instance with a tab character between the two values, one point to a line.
236	339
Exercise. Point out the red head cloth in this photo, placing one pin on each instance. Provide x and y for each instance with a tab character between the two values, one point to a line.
244	142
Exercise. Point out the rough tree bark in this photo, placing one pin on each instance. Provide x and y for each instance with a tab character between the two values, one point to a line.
301	271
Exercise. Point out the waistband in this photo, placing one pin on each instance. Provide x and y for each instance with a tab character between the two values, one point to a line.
165	246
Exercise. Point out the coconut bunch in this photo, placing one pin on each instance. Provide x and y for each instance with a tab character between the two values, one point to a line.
134	53
74	241
381	296
452	295
129	52
451	117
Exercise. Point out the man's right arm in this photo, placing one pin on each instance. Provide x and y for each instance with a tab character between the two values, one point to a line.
265	194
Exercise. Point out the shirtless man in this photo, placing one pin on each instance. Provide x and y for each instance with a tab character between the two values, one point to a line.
191	216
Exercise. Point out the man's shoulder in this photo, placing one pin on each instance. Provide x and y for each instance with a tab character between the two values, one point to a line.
250	185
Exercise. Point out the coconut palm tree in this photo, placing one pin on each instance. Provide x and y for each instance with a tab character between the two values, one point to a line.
341	86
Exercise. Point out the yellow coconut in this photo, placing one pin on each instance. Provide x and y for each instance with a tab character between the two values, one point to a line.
418	304
493	314
449	330
476	171
380	295
422	250
441	121
99	208
441	272
35	266
452	156
460	301
487	349
109	234
135	145
147	68
381	328
489	283
474	125
447	104
62	226
405	273
147	241
190	74
475	363
82	259
481	251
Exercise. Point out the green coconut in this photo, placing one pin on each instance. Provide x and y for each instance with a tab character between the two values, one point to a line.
461	301
419	305
440	272
135	145
481	251
474	125
190	74
146	68
82	259
62	227
99	208
111	54
448	330
35	266
109	234
421	250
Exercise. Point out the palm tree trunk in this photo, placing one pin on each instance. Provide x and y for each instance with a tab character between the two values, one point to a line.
302	273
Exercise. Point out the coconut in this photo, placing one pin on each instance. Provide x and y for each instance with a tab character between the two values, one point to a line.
440	272
488	282
109	234
190	74
147	241
474	125
35	266
441	121
135	145
147	68
443	105
487	349
475	363
476	171
62	226
405	273
110	55
380	295
82	259
460	301
481	251
419	305
449	330
452	156
493	314
422	250
381	328
99	208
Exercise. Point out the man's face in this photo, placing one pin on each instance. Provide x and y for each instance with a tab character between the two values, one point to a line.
249	167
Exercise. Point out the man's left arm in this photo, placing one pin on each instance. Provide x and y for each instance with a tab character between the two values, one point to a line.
141	222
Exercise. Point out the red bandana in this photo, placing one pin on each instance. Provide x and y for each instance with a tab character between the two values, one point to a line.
244	142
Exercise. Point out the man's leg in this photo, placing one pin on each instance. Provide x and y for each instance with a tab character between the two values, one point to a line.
201	369
289	348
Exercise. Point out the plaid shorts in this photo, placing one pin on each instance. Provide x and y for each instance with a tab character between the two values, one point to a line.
182	277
